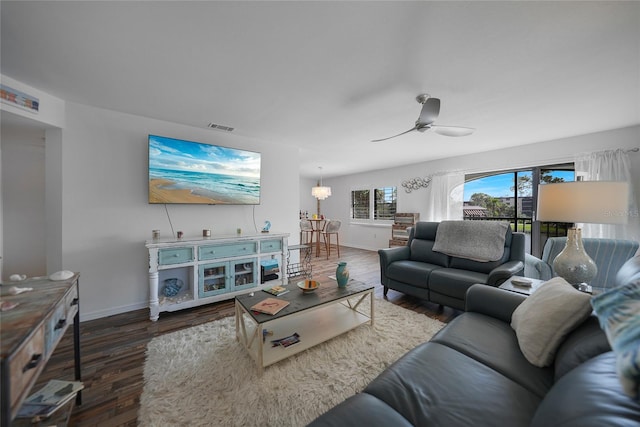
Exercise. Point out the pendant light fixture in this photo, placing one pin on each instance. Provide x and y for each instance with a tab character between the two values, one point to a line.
319	191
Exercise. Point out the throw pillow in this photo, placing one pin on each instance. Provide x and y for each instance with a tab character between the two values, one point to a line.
545	318
618	311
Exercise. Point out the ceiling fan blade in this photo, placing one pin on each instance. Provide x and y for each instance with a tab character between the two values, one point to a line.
452	130
384	139
430	111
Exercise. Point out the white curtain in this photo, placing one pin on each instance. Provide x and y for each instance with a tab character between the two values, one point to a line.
610	165
444	197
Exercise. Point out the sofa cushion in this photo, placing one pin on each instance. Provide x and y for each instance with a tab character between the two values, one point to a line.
454	282
583	343
411	272
619	313
422	250
361	410
588	396
435	385
544	319
483	267
494	344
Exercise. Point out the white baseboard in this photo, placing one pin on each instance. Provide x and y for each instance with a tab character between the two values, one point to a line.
85	317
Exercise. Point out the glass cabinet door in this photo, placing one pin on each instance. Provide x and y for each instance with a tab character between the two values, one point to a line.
245	273
213	279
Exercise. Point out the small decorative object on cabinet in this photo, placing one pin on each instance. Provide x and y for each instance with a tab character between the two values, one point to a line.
401	222
185	273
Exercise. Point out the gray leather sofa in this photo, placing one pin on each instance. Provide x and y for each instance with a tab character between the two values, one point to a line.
472	373
417	270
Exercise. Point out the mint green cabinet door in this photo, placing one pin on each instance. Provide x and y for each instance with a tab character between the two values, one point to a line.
245	273
213	279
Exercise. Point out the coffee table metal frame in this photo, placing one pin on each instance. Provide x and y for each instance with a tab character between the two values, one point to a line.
315	325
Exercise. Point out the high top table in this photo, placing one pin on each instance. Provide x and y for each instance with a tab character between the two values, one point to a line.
318	225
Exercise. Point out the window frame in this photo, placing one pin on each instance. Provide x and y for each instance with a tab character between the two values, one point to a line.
373	206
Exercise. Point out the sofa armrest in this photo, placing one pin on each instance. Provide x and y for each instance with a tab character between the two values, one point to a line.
535	268
389	255
494	302
504	271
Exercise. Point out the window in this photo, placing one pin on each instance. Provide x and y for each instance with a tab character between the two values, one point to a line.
383	204
360	204
511	196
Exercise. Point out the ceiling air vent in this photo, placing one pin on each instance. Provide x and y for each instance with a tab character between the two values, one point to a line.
219	127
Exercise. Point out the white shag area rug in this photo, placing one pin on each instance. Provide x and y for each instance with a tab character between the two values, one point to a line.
202	376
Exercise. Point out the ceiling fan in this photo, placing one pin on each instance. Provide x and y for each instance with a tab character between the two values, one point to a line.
429	113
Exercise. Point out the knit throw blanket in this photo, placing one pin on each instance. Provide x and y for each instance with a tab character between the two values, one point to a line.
475	240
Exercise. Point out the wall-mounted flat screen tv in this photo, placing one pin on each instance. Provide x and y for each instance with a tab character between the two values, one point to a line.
192	172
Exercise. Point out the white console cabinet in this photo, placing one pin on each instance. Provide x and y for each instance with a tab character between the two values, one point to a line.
189	272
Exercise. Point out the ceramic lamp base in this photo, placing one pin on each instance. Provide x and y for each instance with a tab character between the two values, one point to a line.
573	264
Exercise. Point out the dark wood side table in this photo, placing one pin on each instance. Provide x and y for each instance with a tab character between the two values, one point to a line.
31	331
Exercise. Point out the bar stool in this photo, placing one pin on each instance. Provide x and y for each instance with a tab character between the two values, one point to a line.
330	229
306	232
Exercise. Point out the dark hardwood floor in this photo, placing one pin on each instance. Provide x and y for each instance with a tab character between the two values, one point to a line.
113	348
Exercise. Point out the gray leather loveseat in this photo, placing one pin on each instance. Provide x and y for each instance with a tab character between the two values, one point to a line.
473	373
418	270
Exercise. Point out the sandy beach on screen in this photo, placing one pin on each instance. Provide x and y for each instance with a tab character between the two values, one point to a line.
157	194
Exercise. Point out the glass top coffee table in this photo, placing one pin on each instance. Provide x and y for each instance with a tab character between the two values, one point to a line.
314	317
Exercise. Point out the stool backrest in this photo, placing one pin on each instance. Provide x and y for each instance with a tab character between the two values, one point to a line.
333	226
305	225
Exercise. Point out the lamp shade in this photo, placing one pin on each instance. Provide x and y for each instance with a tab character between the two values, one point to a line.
599	202
321	192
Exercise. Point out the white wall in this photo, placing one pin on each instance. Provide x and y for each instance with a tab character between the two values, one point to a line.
373	237
106	217
23	199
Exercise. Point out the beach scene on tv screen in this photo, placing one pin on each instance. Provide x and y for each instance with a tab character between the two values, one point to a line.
191	172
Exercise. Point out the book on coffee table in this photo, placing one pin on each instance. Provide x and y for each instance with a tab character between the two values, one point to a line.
276	290
270	306
286	341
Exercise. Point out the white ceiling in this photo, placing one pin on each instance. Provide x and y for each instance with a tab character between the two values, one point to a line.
330	76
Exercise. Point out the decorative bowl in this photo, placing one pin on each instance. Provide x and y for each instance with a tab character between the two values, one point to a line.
172	287
308	286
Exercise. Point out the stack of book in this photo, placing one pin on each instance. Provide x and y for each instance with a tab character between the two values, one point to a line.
49	399
269	270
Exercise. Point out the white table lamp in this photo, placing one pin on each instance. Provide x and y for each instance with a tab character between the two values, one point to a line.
598	202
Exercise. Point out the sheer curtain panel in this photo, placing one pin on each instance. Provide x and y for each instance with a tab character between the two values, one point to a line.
444	197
